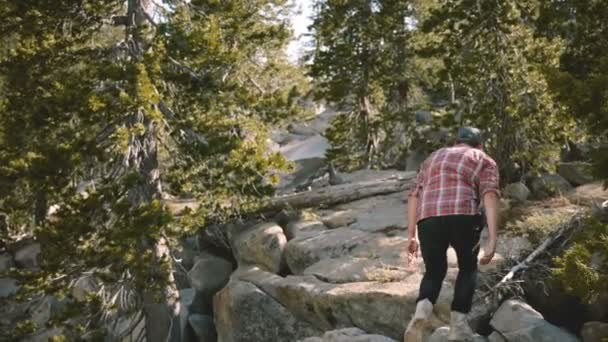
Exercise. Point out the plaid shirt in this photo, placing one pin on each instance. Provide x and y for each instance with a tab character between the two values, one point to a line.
452	180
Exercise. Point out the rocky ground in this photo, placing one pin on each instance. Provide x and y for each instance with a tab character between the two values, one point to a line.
337	273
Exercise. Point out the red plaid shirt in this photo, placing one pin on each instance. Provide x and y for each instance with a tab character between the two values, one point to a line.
452	180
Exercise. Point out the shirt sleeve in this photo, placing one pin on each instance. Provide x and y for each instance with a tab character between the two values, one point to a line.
488	178
415	192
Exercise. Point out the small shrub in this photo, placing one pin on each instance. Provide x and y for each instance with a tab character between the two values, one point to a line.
582	270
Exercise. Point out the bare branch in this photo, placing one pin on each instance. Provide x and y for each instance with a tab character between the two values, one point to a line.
186	68
255	84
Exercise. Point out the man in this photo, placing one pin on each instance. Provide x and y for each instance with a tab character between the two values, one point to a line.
443	211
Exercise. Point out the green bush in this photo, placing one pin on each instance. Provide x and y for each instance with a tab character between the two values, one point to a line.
582	270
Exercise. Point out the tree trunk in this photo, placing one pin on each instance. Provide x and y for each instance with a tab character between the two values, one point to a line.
161	310
41	207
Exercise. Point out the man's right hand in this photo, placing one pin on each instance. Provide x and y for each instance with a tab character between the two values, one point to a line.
488	255
490	202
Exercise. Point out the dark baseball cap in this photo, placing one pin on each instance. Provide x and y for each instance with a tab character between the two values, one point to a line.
469	135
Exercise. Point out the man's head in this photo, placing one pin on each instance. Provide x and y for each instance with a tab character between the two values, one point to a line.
470	136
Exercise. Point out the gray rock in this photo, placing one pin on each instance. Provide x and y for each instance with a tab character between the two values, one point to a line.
122	323
27	256
382	308
261	245
83	287
186	300
187	251
203	327
209	274
337	219
577	173
441	335
550	185
424	117
46	335
513	246
243	312
414	159
6	262
377	213
46	308
303	251
517	191
349	335
594	331
518	321
314	146
301	228
8	287
496	337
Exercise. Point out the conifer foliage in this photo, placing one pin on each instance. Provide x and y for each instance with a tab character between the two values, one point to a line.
359	62
109	105
498	69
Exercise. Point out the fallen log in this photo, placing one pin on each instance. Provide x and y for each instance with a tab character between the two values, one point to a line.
343	193
321	197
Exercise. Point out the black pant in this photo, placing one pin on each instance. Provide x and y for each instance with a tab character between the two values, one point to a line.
436	234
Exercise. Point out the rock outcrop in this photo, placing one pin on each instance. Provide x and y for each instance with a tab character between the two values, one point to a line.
349	335
518	321
550	185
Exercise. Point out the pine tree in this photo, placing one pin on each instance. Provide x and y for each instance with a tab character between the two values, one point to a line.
582	80
497	68
139	100
360	61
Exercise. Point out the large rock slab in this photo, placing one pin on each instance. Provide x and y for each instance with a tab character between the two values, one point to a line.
209	274
349	269
304	251
378	213
441	335
243	312
377	258
261	245
382	308
349	335
518	321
